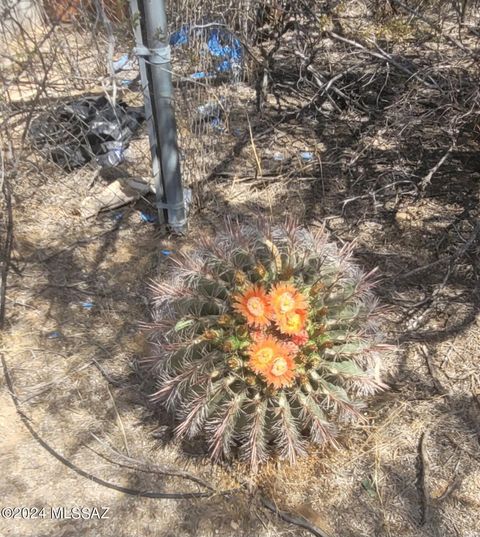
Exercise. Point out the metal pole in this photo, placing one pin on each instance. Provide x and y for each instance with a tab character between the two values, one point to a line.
157	174
158	72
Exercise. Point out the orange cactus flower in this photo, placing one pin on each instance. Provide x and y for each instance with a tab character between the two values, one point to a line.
271	359
254	305
301	338
262	352
281	371
292	323
285	298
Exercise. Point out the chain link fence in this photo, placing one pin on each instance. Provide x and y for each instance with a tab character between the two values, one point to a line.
71	92
71	104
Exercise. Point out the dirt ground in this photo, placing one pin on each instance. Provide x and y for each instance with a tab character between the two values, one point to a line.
78	289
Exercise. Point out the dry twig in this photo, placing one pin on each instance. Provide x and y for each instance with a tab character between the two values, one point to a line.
460	252
119	421
428	178
433	370
292	518
144	466
382	55
437	28
52	451
423	478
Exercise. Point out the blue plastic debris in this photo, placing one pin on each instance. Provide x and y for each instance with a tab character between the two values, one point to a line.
87	305
117	216
278	156
120	63
148	218
166	252
124	64
180	37
306	155
201	74
221	44
53	335
217	124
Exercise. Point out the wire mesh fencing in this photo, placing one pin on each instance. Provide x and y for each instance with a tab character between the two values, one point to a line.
61	93
71	105
71	89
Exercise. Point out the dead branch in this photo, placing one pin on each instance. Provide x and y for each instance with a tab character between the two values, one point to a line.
292	518
433	370
104	374
423	479
382	55
427	502
374	193
45	387
435	27
462	447
148	467
119	421
87	240
72	466
451	487
427	179
5	258
460	252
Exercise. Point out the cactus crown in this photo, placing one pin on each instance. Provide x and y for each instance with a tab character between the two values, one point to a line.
266	337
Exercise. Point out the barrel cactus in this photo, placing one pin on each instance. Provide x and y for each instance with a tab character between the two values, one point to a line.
266	338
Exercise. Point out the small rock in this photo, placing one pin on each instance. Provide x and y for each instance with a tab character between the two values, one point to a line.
403	216
306	155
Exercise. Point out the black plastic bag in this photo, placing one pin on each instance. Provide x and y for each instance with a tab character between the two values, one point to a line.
88	129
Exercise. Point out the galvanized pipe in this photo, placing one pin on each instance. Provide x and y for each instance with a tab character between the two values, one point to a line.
154	53
157	176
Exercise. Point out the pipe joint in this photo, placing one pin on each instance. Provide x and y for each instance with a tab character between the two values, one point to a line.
155	56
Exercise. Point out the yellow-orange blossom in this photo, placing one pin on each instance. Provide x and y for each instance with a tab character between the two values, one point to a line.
271	359
287	307
254	305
